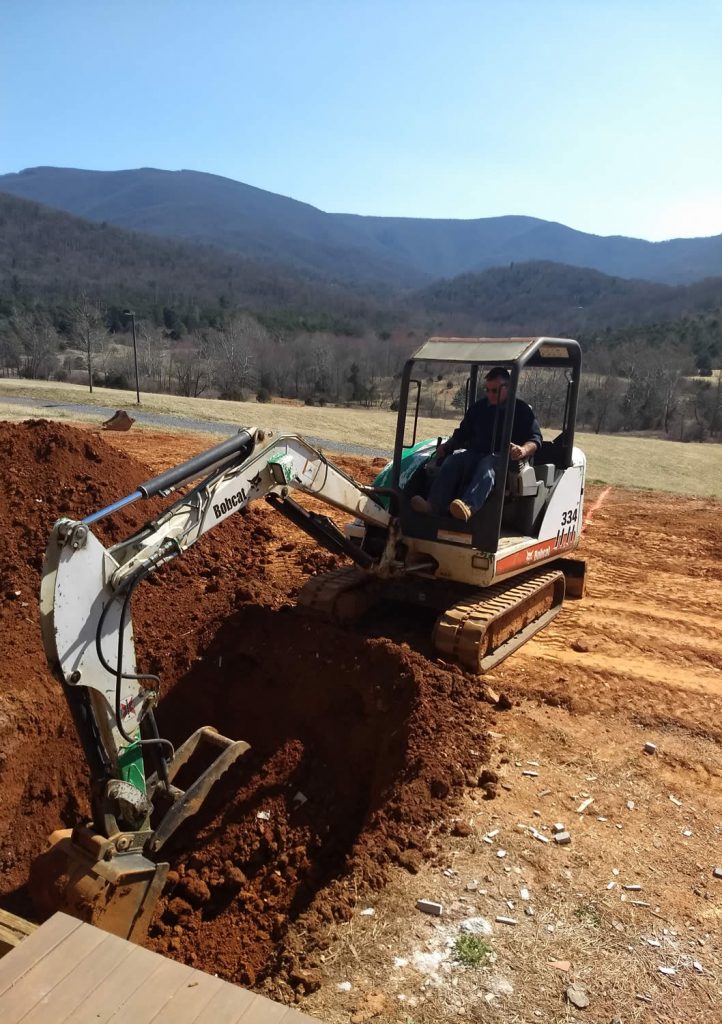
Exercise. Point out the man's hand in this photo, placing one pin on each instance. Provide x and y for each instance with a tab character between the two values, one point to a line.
440	452
522	451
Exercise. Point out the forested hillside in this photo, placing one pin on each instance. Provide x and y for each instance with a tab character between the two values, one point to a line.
211	322
366	252
51	258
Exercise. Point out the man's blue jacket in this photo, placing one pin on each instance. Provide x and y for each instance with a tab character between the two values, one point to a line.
480	429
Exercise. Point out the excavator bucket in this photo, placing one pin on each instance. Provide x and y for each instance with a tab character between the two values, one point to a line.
108	882
120	420
86	876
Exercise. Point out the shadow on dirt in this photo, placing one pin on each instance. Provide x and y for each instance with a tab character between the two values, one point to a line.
327	716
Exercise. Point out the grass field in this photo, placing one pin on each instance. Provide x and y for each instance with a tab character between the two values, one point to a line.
646	463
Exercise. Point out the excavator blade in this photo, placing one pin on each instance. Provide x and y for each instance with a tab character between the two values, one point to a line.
85	876
481	633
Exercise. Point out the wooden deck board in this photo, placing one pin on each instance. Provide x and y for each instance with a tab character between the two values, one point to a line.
24	957
71	973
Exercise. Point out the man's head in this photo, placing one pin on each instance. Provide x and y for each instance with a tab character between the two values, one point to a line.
497	385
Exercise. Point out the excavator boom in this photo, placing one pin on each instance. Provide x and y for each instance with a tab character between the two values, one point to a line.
102	871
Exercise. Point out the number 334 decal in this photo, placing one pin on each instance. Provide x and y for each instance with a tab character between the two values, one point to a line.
570	516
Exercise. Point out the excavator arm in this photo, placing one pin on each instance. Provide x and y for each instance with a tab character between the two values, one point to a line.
87	632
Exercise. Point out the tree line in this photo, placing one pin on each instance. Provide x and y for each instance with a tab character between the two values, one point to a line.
633	381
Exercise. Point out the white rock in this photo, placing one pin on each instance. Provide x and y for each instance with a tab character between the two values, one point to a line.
344	986
476	926
430	907
577	996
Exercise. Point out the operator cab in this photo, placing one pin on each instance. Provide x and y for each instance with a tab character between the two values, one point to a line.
521	490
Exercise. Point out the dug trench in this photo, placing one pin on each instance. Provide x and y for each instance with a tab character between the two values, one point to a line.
359	743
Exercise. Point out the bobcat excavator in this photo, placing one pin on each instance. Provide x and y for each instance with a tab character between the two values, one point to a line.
494	580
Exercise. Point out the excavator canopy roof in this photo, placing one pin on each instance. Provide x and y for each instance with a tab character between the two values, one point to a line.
537	351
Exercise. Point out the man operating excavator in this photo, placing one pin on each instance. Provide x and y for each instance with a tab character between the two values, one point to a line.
466	462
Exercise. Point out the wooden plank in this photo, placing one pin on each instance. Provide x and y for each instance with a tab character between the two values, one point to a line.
191	1003
152	995
229	1005
263	1011
62	1002
114	990
49	971
71	973
296	1017
24	957
13	930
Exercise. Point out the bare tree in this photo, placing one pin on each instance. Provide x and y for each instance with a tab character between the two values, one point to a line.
236	346
90	329
39	346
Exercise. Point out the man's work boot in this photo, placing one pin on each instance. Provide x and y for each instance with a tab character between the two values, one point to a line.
420	504
460	510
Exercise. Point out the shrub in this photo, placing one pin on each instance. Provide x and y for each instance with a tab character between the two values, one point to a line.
263	395
471	951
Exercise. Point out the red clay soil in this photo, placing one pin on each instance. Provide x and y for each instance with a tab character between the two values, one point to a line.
358	742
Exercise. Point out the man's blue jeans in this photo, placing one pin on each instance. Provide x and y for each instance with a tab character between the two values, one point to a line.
464	474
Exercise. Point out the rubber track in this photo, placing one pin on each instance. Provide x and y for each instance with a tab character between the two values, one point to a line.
480	634
337	595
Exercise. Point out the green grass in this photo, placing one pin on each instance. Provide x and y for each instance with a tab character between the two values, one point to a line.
635	462
471	951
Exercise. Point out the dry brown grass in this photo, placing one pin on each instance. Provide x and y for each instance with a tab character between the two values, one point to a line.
691	469
400	961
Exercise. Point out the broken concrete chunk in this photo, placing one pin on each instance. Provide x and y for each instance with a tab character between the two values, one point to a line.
430	907
650	748
557	827
562	838
577	996
717	873
506	920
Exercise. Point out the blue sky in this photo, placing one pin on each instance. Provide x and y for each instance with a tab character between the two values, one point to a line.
601	114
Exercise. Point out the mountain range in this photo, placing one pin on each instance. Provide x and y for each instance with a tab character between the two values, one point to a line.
380	254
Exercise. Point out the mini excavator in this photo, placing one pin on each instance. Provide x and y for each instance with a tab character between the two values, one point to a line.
494	581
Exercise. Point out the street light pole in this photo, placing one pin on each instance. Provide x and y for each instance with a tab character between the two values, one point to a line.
129	313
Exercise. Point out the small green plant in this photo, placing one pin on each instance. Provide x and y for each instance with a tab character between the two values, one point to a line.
471	951
588	914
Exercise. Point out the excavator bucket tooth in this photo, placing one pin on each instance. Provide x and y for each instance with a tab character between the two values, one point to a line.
85	876
481	633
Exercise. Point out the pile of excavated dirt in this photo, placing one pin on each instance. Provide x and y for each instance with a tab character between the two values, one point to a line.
358	744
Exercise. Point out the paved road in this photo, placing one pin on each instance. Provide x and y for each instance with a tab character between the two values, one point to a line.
158	419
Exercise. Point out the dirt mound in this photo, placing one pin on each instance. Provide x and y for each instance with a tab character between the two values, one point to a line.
356	742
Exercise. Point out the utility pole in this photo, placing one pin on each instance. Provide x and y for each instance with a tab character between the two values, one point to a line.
131	314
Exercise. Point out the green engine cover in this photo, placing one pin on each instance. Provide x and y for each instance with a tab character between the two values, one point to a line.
411	459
